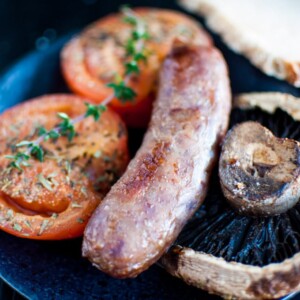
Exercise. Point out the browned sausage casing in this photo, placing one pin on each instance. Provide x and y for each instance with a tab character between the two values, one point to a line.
167	180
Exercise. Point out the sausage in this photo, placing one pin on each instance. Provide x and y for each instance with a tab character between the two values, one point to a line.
167	180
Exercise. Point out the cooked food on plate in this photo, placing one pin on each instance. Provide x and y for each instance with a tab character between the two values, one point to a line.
266	32
259	173
93	59
234	254
167	180
53	199
64	158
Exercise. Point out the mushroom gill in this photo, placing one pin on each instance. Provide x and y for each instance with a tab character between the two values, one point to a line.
242	256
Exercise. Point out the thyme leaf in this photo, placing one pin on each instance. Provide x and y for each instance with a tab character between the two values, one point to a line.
135	54
76	205
17	227
122	91
66	126
45	182
37	152
18	160
94	111
43	227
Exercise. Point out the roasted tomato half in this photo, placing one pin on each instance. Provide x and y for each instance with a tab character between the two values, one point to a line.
53	199
91	60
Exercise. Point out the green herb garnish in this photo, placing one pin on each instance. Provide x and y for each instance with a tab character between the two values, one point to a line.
135	54
17	227
45	182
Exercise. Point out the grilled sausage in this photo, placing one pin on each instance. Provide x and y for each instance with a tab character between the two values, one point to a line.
167	180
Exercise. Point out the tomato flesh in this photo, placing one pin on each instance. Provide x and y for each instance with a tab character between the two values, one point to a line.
54	199
91	60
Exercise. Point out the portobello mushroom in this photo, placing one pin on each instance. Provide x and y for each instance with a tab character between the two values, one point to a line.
259	173
237	255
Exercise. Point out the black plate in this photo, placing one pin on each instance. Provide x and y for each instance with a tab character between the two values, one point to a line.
55	270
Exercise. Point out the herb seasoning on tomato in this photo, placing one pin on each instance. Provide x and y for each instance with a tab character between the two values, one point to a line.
92	60
53	198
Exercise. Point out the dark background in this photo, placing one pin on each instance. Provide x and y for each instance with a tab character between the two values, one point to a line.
33	24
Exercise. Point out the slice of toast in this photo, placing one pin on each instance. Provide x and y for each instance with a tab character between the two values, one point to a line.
266	32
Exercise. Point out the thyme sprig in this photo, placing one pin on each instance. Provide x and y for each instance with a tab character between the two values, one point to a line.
135	54
64	128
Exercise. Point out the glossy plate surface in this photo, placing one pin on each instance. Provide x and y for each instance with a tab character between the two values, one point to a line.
55	270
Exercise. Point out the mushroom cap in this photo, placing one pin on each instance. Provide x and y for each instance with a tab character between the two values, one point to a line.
259	173
233	280
269	102
239	256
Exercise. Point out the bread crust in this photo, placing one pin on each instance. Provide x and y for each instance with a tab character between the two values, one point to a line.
234	38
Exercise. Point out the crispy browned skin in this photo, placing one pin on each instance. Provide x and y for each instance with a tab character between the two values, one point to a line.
167	180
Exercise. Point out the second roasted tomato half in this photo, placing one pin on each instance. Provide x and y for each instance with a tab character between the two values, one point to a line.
91	60
53	199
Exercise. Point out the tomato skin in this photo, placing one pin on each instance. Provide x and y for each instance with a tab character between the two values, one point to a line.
91	60
28	208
